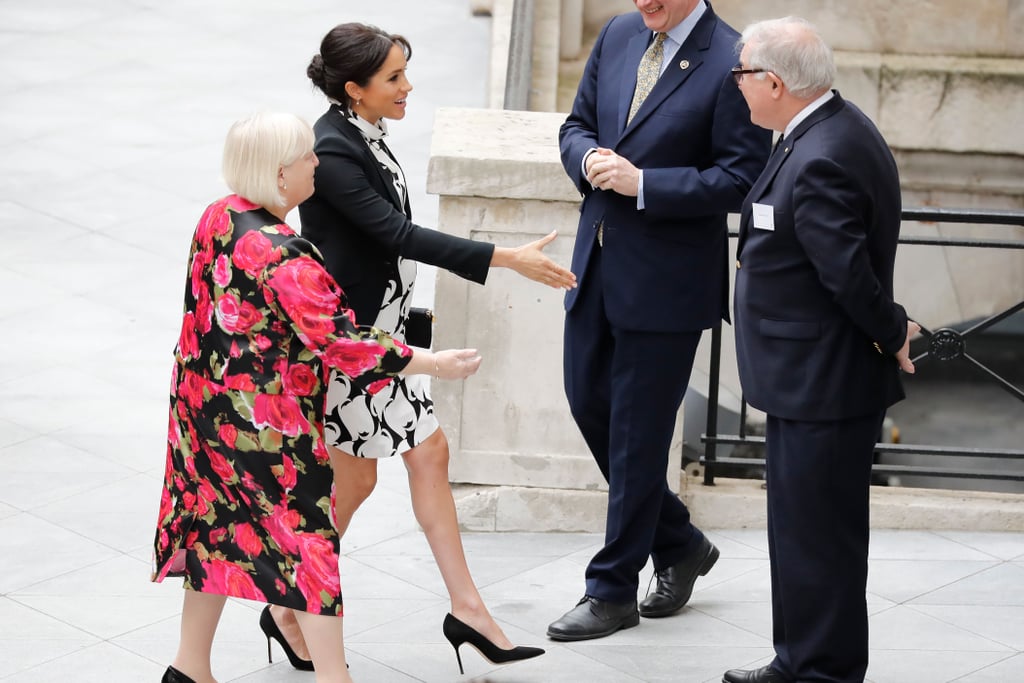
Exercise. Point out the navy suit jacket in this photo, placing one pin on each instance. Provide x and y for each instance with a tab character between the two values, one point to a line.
816	324
356	220
664	268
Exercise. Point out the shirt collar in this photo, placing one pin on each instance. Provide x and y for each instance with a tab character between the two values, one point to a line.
372	131
681	31
807	111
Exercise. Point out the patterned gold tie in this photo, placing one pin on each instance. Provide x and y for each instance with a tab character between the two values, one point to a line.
647	73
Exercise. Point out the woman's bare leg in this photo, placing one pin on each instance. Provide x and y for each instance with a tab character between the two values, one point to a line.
324	636
434	508
354	480
285	620
200	614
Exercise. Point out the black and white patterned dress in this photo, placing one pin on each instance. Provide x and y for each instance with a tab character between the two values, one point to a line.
401	415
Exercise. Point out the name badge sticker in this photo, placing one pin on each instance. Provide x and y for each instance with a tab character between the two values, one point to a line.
764	216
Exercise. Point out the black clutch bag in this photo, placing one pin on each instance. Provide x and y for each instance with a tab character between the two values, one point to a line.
419	327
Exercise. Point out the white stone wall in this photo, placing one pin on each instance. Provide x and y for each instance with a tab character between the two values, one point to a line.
924	27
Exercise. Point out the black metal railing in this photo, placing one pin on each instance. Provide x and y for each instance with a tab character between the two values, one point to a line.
943	345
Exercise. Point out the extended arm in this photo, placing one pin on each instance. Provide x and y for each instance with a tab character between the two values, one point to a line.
349	191
306	297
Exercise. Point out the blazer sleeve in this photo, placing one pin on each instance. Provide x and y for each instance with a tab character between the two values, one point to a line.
578	134
738	153
830	223
343	182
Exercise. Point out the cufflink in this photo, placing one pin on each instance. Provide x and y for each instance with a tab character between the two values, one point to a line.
877	347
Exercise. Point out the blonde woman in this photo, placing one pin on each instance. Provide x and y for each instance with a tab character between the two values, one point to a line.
246	509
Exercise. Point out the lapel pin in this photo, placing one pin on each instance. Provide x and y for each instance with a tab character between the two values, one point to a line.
684	65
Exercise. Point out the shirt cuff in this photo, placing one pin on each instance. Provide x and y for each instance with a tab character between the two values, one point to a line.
583	166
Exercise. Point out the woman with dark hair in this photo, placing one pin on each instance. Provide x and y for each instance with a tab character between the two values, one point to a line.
245	508
360	219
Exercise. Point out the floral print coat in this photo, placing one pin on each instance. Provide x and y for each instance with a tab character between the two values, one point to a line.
247	507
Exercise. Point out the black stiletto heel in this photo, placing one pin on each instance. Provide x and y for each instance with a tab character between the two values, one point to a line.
172	675
271	630
458	633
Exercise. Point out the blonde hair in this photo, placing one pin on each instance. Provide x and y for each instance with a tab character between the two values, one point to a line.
255	150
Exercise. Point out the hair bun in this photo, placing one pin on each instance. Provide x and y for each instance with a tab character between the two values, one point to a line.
316	71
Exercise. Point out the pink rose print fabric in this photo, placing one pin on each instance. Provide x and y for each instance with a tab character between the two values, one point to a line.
247	508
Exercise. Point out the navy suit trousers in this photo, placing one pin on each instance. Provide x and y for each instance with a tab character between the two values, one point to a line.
624	389
819	476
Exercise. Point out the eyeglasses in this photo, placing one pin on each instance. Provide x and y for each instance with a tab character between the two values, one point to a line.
738	72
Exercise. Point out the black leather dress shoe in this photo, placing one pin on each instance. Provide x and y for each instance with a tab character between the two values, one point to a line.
675	584
593	618
765	674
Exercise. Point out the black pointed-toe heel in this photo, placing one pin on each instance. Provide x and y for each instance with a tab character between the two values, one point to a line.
271	630
458	633
172	675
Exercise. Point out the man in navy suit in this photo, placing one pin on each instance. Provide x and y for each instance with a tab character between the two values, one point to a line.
820	343
661	146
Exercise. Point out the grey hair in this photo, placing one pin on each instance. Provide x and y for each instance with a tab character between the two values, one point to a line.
792	49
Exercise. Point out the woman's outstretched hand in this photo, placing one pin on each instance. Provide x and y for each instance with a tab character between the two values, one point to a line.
530	261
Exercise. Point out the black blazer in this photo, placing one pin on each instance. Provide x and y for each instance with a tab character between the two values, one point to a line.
356	220
816	324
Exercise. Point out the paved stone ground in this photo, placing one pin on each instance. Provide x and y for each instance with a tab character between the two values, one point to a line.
112	115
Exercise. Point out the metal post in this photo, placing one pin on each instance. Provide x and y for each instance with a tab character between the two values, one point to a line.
519	77
712	425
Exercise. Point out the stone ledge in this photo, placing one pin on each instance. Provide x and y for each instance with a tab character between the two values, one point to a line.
926	27
517	508
989	175
730	504
499	154
925	103
740	503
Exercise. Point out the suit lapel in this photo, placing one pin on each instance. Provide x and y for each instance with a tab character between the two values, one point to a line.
792	140
763	182
689	53
778	158
349	131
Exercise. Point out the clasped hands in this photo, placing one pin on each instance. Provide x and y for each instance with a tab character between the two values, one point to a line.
606	170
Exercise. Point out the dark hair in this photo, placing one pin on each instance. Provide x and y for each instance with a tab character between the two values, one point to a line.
351	52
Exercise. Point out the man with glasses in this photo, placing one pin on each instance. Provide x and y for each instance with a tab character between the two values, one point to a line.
819	341
660	145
